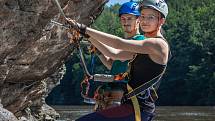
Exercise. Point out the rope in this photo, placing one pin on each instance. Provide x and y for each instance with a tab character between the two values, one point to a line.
60	9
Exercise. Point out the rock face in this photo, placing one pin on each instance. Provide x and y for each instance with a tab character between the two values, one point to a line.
33	51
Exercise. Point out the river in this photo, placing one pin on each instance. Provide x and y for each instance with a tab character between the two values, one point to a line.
163	113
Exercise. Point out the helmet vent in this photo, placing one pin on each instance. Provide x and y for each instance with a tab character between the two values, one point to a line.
159	3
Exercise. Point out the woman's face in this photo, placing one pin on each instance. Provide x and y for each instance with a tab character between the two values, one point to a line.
129	22
150	20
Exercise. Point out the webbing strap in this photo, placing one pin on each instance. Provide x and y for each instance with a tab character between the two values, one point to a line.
135	105
143	87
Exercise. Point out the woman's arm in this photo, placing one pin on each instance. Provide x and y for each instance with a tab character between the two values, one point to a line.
156	47
114	54
106	61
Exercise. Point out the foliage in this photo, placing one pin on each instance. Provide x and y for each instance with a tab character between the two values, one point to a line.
190	32
108	21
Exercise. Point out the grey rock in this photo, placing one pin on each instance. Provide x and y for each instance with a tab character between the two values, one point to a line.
33	52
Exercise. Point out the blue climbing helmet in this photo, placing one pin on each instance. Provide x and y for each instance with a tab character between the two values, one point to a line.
129	8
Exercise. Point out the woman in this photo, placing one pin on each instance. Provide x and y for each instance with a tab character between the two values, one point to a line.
149	60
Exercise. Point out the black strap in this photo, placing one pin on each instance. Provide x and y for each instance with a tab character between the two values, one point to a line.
142	87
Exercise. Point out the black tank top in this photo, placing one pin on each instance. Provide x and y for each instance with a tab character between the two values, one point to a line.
142	70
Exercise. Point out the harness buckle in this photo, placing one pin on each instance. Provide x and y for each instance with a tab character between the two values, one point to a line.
124	99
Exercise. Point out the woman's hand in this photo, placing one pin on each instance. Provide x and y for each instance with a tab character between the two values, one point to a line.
72	23
79	27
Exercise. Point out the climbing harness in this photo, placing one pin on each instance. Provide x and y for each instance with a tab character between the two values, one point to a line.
143	87
133	93
89	77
